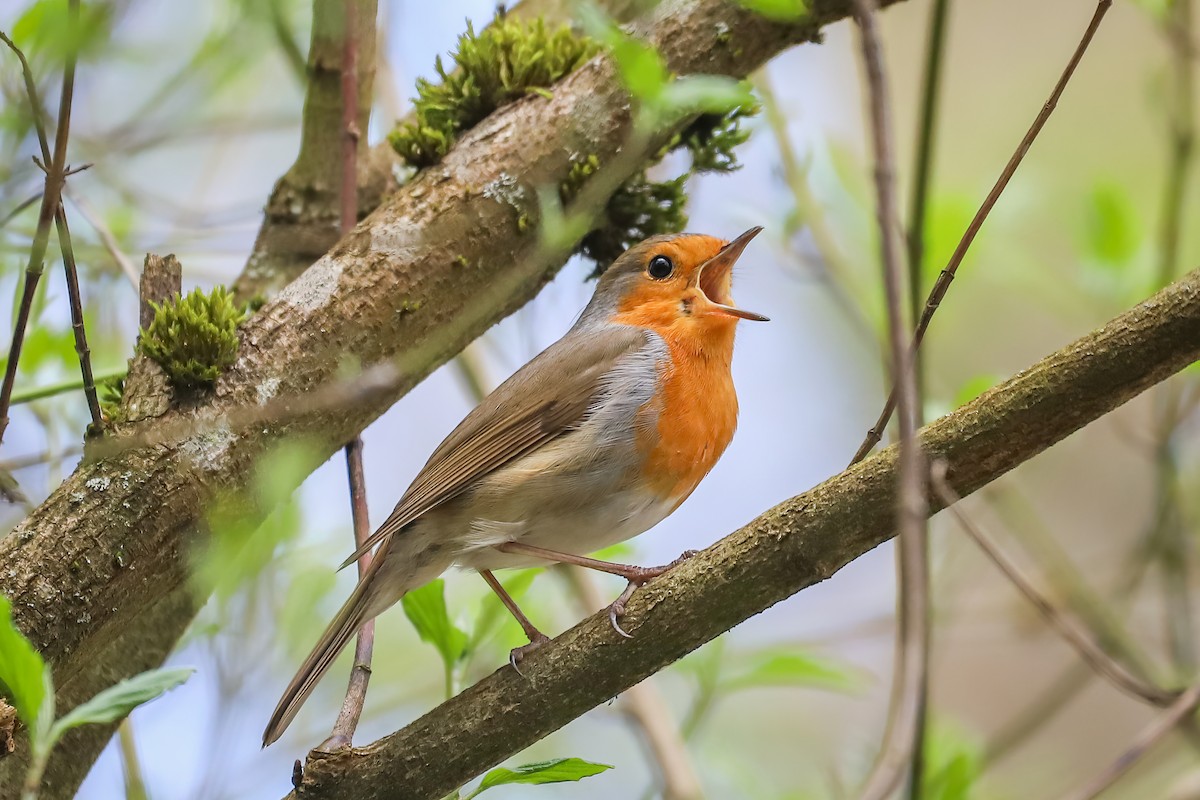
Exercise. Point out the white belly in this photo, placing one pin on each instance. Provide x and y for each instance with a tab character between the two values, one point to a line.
620	517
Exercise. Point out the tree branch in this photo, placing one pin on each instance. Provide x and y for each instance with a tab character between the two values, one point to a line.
423	275
792	546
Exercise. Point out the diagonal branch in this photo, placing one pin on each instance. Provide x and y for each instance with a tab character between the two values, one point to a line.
788	548
442	260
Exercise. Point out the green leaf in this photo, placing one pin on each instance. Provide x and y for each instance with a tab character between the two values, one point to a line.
115	702
953	763
641	68
426	610
558	770
779	667
24	679
974	387
777	10
1111	229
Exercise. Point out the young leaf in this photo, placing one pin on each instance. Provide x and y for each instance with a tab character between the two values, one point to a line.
777	667
23	674
116	701
777	10
426	610
558	770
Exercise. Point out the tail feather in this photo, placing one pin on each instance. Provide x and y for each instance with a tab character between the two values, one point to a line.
356	610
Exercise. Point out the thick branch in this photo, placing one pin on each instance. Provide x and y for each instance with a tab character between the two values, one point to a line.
794	545
436	265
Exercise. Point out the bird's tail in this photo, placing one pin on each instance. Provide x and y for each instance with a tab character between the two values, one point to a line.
390	576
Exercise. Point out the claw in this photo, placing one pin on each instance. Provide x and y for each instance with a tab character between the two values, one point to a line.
617	609
517	654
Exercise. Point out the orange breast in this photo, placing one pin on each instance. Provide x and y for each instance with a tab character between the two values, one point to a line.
697	415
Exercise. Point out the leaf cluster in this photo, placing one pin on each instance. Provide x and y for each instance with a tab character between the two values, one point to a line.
194	338
506	61
26	682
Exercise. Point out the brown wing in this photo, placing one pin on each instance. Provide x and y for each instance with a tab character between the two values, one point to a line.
546	396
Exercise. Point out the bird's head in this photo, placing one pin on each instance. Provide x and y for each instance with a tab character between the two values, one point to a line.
677	283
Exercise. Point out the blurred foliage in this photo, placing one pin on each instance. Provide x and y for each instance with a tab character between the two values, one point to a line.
507	60
194	338
558	770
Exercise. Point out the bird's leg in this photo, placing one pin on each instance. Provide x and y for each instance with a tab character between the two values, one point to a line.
635	575
536	637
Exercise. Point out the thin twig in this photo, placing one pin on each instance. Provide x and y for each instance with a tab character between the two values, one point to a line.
1168	536
903	739
1183	706
135	786
922	178
24	204
55	176
947	274
356	691
77	326
72	385
1070	627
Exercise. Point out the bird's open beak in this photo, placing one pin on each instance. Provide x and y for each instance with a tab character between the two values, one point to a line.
713	278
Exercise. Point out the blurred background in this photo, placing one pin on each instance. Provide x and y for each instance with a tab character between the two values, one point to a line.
190	112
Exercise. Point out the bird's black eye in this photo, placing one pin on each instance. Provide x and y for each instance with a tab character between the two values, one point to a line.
660	268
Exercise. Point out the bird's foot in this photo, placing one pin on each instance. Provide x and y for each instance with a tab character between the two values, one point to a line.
517	654
638	577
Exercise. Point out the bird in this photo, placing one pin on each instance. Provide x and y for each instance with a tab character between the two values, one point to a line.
597	439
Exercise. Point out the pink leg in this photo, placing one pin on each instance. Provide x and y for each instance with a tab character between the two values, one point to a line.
536	637
636	576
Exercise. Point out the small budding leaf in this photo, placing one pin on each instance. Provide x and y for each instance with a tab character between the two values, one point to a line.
115	702
558	770
779	667
1112	230
23	674
778	10
426	610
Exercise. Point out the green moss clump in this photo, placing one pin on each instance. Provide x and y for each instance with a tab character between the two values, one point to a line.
503	63
194	338
712	139
641	208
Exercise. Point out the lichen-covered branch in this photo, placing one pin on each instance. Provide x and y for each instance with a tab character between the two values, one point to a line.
97	574
796	544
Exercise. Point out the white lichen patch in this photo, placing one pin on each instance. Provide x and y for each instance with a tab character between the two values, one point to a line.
505	189
206	449
267	390
99	483
315	287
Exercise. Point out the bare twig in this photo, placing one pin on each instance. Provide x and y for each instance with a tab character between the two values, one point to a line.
76	301
1072	629
1168	536
24	204
55	176
1180	710
903	740
356	691
947	274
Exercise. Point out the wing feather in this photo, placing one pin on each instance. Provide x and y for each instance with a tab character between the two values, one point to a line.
545	397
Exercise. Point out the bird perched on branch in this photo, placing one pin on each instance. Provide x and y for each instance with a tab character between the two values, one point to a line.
594	441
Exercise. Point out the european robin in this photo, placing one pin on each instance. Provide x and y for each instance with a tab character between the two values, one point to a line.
594	441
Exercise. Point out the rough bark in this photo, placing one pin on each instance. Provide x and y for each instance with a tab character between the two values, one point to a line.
97	573
798	543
